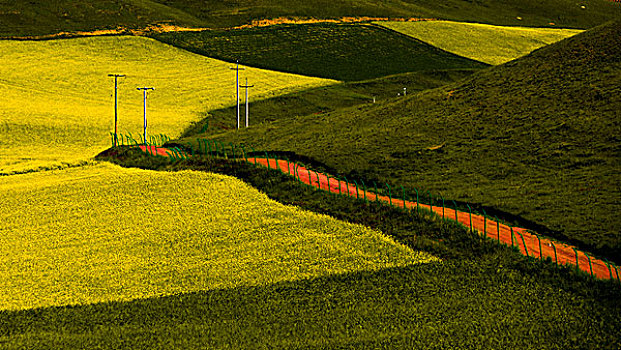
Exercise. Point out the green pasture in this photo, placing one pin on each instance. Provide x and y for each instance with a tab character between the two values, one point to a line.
334	51
481	42
536	139
514	302
324	99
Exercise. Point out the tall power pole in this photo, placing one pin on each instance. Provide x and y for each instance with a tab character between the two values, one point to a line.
246	87
144	95
116	105
237	69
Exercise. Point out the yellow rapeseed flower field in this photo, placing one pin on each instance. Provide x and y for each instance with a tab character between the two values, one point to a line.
102	233
57	102
482	42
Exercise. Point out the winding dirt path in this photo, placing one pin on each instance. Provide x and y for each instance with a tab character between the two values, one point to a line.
529	244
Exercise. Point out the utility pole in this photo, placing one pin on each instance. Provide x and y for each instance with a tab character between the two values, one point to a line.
116	105
144	95
246	87
237	69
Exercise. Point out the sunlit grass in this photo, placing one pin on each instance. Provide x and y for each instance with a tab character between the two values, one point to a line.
101	232
482	42
57	102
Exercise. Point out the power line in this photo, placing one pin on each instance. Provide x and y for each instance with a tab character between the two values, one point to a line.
116	105
144	94
246	87
237	69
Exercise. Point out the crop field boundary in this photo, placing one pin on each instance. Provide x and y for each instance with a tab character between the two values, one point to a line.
167	27
524	241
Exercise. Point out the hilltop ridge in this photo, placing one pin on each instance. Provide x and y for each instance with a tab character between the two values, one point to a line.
43	17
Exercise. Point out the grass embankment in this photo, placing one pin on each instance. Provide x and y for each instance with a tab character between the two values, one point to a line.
536	138
481	42
37	17
514	302
324	99
104	233
58	102
334	51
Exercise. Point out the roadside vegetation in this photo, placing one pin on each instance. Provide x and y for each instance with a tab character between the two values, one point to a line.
536	138
514	302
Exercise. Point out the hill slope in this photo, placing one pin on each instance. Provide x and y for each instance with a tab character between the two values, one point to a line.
327	98
537	137
150	236
36	17
481	42
57	102
342	52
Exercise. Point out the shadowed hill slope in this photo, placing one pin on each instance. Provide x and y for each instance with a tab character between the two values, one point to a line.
538	137
38	17
316	101
335	51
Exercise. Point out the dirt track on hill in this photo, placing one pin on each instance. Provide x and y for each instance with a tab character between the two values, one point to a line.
527	243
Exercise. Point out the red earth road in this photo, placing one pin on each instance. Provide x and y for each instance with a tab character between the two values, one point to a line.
527	243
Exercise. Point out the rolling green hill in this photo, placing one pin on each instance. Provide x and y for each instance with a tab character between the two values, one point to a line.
342	52
324	99
36	17
537	137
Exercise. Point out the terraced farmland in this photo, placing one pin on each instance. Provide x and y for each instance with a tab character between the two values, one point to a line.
342	52
58	103
481	42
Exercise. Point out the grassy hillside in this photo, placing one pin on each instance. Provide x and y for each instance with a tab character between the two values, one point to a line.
516	303
325	99
481	42
537	137
396	308
342	52
103	233
36	17
58	102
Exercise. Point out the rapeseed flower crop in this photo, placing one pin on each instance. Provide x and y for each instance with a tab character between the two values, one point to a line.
101	233
57	101
482	42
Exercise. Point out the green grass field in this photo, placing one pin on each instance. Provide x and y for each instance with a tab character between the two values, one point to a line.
536	138
64	114
103	233
38	17
324	99
481	42
517	303
186	255
341	52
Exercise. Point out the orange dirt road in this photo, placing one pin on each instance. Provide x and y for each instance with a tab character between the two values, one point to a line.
529	244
